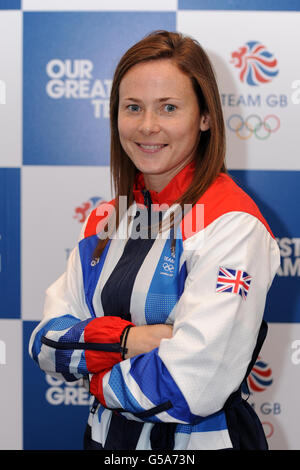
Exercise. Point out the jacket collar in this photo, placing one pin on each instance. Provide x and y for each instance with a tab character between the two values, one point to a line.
174	189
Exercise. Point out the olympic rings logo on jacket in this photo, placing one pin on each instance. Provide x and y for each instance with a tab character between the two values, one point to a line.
254	125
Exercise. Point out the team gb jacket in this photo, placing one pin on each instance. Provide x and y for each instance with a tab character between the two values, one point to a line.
208	279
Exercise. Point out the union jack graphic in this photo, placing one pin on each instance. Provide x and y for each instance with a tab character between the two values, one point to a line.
235	281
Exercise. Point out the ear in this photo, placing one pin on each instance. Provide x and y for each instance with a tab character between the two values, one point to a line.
204	122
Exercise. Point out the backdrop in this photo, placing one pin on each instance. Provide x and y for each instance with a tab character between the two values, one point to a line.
57	59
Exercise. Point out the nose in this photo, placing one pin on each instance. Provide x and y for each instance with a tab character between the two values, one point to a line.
149	123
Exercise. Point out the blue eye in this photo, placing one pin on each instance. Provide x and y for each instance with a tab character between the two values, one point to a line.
170	108
133	107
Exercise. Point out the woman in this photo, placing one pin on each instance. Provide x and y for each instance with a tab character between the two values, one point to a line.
161	307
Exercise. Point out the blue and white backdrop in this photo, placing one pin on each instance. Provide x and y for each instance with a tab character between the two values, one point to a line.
57	59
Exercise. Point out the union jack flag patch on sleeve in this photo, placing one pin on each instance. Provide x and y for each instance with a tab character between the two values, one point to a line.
235	281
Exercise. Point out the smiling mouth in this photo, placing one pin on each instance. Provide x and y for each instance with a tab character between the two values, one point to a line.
151	148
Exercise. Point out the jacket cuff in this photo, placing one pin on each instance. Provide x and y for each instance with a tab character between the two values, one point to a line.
96	386
106	332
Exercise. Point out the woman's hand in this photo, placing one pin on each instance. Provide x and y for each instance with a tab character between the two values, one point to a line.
142	339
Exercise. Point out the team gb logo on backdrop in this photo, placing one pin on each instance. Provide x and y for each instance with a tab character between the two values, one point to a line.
255	63
260	377
81	212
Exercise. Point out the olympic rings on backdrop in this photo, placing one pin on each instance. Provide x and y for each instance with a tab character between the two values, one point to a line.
268	429
254	125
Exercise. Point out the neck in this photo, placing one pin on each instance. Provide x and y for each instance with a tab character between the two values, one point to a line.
157	182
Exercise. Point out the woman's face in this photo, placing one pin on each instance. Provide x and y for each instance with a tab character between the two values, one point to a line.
159	120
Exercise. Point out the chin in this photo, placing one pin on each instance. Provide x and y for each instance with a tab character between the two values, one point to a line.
148	169
152	171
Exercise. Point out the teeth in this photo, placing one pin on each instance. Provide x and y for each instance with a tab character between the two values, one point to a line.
151	147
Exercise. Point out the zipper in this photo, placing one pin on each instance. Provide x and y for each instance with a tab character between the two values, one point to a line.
147	198
148	204
95	406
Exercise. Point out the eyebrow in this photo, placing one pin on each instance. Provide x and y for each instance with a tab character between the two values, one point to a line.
160	100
